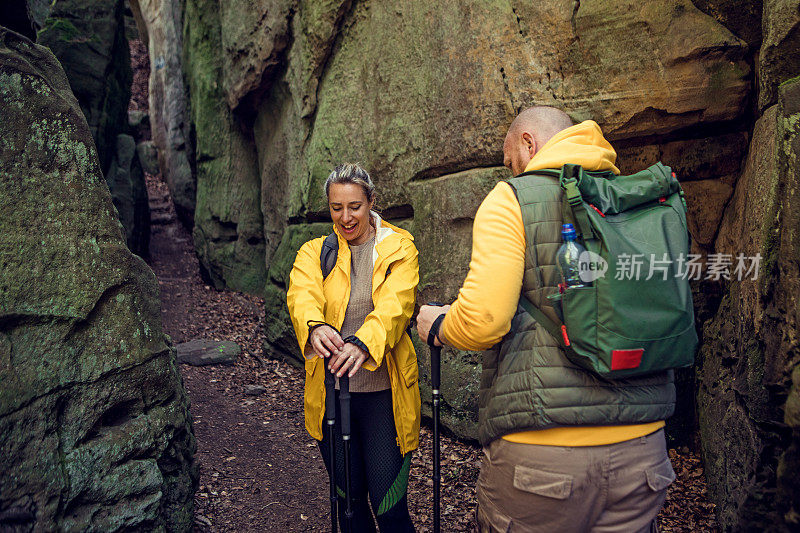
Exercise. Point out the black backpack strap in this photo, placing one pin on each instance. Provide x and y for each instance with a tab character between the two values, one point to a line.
328	254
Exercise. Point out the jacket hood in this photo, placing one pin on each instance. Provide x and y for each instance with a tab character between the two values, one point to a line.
582	144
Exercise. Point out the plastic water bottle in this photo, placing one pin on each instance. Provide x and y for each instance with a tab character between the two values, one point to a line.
567	257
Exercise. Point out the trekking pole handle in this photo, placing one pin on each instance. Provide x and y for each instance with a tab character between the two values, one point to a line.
436	365
344	402
436	351
330	393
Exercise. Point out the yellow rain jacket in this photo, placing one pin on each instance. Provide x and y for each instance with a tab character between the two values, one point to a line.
384	330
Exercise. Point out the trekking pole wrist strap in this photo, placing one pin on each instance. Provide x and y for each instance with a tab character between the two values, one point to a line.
433	334
314	324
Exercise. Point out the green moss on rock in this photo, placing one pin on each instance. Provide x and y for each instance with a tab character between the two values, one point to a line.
94	421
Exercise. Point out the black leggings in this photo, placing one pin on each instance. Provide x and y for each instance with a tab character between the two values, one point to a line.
377	467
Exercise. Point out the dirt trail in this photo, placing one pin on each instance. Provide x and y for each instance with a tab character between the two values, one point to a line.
259	470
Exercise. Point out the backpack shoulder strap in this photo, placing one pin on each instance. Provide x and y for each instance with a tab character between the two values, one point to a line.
545	321
328	254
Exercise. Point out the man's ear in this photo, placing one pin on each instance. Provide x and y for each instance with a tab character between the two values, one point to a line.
530	143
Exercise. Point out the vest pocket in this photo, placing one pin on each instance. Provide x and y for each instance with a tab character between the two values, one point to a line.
542	483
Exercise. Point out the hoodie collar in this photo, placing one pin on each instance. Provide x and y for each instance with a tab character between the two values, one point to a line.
582	144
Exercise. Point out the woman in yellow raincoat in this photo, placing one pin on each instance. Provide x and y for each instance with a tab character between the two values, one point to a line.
355	321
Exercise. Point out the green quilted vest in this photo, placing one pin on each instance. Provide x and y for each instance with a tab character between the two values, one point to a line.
527	382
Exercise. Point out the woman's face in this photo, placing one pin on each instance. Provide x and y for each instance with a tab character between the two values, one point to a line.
350	211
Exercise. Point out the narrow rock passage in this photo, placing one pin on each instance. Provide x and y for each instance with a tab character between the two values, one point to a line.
259	470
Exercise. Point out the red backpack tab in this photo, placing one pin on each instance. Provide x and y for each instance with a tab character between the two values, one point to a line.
564	334
598	211
626	359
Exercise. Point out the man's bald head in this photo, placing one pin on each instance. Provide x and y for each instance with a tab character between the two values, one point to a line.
532	128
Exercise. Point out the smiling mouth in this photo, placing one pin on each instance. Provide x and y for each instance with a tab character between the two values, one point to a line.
349	228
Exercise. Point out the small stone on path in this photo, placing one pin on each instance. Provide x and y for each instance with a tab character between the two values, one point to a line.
254	390
201	352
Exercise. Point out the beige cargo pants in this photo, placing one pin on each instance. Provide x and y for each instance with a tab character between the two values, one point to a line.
617	488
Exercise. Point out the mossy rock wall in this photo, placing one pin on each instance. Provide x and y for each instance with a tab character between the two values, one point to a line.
95	430
748	431
88	38
228	230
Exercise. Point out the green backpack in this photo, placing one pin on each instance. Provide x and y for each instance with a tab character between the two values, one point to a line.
619	326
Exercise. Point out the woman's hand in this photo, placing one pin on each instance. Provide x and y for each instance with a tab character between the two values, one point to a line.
324	340
351	356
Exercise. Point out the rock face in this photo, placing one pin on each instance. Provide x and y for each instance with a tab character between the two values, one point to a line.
169	118
749	443
125	178
780	50
743	18
94	421
228	232
88	38
424	102
147	153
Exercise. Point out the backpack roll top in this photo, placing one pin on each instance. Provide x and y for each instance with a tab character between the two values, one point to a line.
612	194
635	315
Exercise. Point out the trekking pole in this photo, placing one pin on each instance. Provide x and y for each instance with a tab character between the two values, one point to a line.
436	359
344	405
330	419
436	356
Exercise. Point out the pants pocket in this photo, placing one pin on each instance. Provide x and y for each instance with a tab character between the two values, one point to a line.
543	483
660	476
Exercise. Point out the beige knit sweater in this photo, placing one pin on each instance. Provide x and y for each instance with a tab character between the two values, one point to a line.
359	306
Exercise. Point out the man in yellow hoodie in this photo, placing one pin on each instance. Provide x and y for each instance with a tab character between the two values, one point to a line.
564	450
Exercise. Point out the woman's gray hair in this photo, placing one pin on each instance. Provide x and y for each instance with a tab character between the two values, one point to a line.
351	173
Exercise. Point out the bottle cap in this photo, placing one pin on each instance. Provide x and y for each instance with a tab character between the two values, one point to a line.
568	231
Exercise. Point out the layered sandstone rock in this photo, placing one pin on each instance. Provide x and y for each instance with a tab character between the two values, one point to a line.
94	424
779	58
